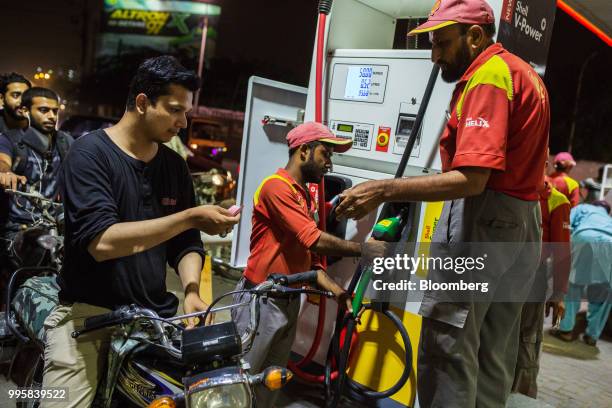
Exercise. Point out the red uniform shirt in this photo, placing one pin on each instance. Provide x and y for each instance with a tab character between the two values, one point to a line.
500	119
283	229
556	229
566	185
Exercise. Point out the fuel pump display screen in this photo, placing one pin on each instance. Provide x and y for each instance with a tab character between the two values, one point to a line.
345	128
358	81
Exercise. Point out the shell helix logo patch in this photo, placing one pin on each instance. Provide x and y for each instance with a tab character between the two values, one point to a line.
435	8
478	122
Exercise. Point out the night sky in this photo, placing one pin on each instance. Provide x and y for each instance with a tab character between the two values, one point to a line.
274	39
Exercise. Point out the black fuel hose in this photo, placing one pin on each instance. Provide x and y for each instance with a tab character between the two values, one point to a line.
355	386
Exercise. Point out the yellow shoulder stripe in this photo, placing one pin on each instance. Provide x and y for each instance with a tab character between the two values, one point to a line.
571	184
556	199
493	72
274	176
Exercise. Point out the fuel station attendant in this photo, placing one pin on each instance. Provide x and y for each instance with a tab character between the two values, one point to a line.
285	239
493	152
564	163
555	209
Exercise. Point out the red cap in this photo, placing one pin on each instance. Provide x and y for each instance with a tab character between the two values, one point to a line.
565	158
447	12
313	131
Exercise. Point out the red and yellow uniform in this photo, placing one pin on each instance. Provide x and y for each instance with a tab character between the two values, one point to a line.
499	120
566	185
283	229
556	228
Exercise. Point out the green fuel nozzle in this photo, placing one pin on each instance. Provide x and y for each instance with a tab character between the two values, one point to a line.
388	230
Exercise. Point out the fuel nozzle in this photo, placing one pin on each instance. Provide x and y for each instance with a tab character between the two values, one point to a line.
390	229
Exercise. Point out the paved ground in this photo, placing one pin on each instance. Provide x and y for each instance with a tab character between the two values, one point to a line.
573	375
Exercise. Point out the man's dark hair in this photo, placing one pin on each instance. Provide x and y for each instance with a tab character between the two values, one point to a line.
35	92
489	29
12	78
561	167
155	75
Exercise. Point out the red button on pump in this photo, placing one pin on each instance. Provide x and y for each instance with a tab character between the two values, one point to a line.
382	140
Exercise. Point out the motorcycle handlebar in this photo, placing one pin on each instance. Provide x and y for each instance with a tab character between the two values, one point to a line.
302	277
35	196
119	316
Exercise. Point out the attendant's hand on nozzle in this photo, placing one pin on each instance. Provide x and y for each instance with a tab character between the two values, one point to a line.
361	200
212	219
374	249
10	180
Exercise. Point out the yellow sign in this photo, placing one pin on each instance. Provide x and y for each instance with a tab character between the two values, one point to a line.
430	222
154	21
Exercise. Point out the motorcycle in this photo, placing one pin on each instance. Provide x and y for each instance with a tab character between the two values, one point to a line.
35	250
40	243
156	362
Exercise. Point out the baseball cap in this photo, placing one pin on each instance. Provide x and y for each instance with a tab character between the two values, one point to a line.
448	12
316	132
565	157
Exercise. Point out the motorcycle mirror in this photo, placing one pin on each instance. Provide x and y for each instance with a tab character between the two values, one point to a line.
47	241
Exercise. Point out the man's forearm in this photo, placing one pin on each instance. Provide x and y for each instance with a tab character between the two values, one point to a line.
438	187
189	269
129	238
328	244
327	283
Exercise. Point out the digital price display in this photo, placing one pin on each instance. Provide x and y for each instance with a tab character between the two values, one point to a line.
344	128
358	81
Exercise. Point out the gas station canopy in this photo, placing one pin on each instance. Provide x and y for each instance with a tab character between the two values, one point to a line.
595	15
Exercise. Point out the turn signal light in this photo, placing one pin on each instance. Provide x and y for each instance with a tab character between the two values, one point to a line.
276	377
163	402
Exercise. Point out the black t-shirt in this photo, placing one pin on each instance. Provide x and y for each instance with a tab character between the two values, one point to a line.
103	186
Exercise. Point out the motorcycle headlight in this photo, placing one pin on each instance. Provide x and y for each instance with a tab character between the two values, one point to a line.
235	395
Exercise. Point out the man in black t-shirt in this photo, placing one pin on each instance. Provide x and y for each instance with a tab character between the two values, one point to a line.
129	206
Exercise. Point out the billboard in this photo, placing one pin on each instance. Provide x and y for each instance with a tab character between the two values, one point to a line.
165	26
